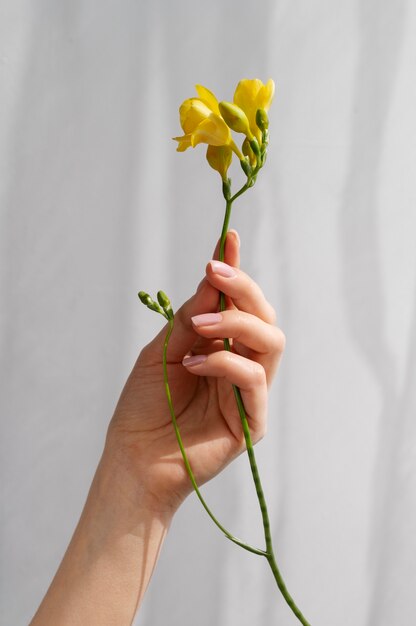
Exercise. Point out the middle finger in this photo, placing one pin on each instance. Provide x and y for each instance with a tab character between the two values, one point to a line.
264	340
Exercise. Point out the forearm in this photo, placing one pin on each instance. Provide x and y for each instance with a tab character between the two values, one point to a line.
111	557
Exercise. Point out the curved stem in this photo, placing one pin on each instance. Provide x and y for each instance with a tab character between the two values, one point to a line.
240	543
249	444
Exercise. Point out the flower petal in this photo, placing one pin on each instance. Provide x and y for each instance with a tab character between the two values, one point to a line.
192	112
207	98
213	131
184	142
265	95
246	93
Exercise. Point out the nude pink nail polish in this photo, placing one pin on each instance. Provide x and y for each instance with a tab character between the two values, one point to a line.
236	235
206	319
197	359
222	269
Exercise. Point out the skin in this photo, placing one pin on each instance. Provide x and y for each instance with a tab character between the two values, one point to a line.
140	481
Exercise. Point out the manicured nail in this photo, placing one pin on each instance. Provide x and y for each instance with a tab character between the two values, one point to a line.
206	319
188	361
222	269
236	235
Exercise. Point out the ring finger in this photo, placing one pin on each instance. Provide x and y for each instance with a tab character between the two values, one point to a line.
264	343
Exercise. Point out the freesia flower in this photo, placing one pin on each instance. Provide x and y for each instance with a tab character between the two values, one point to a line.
252	95
202	123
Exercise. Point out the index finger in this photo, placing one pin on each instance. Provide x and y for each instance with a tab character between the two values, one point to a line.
244	292
231	250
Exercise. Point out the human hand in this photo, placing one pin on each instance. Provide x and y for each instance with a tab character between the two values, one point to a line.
201	375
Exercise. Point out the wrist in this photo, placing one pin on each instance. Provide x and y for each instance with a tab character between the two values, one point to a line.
125	483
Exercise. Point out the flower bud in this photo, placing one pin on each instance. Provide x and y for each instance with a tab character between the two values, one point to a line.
246	167
262	119
163	299
248	152
254	145
235	118
165	303
219	158
145	298
150	303
226	189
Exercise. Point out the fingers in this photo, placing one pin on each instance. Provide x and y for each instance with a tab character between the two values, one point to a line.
244	292
205	299
231	250
246	374
265	342
250	326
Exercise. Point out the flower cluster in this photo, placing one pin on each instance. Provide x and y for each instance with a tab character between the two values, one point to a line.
205	120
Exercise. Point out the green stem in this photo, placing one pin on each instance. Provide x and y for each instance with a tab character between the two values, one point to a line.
249	444
240	543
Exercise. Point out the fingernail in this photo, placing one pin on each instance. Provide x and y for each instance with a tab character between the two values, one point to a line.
206	319
236	235
188	361
222	269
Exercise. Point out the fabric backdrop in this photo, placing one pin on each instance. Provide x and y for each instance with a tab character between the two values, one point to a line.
96	204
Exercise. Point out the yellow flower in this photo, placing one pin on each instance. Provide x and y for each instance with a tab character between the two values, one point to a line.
219	158
202	123
252	95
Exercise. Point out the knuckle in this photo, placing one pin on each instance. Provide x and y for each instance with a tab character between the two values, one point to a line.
258	374
280	340
241	323
272	315
259	430
262	431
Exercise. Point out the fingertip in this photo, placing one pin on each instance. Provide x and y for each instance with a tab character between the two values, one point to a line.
219	268
234	234
193	360
232	248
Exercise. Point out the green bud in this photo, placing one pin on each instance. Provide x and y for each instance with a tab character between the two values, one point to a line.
262	119
248	152
165	304
226	188
246	167
150	303
235	118
254	145
145	298
163	299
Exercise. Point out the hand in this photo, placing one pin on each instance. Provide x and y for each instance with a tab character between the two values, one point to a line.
141	478
201	375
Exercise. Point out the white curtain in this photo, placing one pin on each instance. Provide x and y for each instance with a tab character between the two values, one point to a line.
96	204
